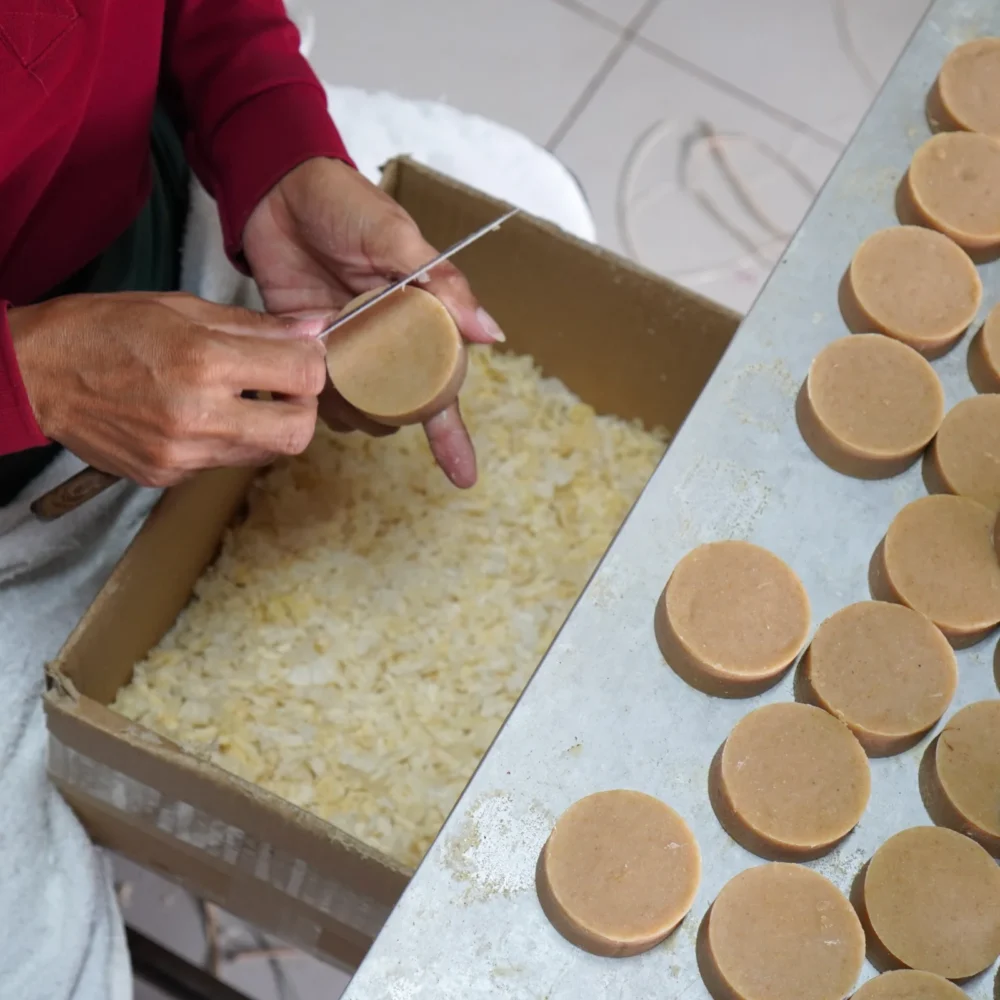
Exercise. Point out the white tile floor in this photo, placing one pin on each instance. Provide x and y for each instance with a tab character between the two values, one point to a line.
656	105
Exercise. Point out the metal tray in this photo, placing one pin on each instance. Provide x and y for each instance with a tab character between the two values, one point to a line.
603	711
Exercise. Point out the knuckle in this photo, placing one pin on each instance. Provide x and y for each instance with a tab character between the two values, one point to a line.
159	479
163	457
206	361
313	374
306	373
401	229
179	421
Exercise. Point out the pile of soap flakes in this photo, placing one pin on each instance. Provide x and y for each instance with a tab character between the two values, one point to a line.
366	630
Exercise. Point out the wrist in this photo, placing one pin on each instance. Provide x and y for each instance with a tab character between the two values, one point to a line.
28	341
20	427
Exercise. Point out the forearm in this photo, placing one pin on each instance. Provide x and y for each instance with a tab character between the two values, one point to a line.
249	105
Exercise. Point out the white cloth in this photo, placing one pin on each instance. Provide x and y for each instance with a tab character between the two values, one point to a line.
61	934
62	937
478	152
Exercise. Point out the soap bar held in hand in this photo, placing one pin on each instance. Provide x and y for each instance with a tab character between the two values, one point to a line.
400	362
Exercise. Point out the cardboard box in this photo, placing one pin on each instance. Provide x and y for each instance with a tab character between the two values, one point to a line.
625	340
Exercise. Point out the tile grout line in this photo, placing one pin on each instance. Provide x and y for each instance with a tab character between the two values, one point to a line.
666	55
595	17
627	37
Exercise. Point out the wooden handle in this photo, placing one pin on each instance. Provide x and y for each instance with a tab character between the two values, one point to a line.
73	493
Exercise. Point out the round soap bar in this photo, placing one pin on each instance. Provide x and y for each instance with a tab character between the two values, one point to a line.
954	186
967	773
618	873
932	899
939	557
402	361
908	984
965	455
984	354
731	619
967	87
781	932
884	670
791	782
869	406
914	285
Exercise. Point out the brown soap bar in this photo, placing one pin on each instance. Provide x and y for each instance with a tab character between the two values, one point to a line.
869	406
966	780
731	619
907	984
984	354
939	558
884	670
965	456
932	900
914	285
402	361
791	782
781	932
967	86
953	184
618	873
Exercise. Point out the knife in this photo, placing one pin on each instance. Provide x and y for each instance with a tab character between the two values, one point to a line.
416	275
91	482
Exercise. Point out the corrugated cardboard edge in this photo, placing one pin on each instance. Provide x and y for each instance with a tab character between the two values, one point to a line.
395	171
238	845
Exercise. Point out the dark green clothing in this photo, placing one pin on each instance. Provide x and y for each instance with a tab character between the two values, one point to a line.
145	258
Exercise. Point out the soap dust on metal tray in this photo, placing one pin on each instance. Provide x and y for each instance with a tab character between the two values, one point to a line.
421	272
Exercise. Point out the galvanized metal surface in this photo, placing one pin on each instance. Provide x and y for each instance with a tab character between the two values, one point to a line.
603	711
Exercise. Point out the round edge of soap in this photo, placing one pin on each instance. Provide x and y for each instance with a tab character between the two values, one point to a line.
917	199
448	391
875	743
840	455
714	681
758	841
862	319
936	476
569	927
911	984
958	842
943	113
711	965
984	354
944	810
882	587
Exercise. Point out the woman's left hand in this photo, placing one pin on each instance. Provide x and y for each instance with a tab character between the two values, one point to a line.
325	234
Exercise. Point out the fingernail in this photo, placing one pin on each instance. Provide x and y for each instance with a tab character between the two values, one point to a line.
320	315
314	323
490	326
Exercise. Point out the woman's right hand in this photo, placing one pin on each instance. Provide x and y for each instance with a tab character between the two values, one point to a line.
148	386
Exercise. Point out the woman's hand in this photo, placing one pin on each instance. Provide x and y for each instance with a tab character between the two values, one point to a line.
148	386
322	236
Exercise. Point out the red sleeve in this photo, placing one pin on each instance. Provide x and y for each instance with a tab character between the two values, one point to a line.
18	428
249	106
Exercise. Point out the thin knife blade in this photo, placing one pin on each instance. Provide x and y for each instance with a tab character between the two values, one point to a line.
410	278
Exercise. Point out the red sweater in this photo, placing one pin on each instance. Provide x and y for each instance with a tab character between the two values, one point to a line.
78	82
